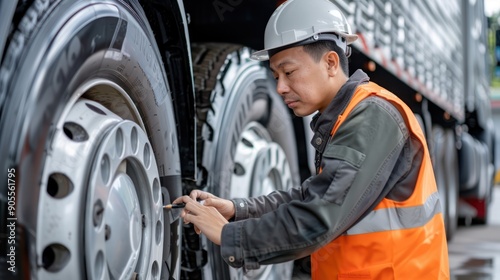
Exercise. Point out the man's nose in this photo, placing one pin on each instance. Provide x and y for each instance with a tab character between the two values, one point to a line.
282	87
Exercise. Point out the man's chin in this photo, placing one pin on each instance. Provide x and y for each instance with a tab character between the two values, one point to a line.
300	113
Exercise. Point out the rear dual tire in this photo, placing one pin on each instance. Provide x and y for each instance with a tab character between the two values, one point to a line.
445	161
247	144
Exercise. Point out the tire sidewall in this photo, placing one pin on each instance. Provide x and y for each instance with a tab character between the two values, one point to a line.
247	93
63	52
241	106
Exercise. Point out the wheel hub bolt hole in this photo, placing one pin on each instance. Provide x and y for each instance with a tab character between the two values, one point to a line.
119	143
75	132
134	140
96	109
155	270
105	169
158	232
147	156
55	257
247	143
59	185
107	232
156	190
99	265
143	220
98	213
239	169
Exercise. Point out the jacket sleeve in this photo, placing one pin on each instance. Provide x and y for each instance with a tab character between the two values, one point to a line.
255	207
356	167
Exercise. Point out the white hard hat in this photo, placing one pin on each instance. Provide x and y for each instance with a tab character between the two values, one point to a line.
300	22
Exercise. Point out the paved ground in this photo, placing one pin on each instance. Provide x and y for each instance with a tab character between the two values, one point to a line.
474	251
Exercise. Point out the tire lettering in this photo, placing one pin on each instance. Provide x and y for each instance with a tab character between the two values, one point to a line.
66	60
153	69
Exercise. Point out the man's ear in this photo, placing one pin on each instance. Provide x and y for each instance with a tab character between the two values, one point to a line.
333	62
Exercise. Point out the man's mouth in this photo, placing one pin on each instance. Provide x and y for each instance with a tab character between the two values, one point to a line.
291	103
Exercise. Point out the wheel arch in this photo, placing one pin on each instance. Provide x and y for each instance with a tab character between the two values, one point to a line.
169	24
305	152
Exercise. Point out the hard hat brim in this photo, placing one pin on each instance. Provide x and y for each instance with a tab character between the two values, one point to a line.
264	55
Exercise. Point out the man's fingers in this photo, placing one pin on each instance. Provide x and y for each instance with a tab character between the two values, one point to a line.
209	202
200	195
183	213
186	219
194	206
197	230
190	218
177	200
195	194
182	199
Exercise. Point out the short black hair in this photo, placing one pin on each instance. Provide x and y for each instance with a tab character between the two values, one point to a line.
317	49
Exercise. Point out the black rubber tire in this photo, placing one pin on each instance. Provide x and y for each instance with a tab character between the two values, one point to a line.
439	152
475	180
232	91
445	162
469	163
57	46
451	171
484	187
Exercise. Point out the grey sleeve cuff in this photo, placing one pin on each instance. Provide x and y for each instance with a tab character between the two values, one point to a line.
241	211
231	250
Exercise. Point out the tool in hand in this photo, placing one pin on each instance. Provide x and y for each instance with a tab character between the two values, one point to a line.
174	211
174	206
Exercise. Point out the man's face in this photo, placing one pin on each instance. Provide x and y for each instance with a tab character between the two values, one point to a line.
304	84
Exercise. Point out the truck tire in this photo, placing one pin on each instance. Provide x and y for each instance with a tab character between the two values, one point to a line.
483	191
445	161
88	139
473	163
439	150
451	171
246	139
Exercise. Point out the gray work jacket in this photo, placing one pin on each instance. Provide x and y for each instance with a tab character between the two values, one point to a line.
371	156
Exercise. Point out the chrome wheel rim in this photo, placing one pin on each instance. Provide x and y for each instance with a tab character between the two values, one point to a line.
101	161
261	167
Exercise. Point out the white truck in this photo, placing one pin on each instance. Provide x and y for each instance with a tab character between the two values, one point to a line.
110	109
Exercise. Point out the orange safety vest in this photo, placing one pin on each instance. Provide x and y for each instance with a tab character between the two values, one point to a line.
397	240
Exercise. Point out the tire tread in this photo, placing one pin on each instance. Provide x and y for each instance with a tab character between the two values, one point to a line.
25	29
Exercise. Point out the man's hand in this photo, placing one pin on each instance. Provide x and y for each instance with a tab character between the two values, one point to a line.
224	206
206	219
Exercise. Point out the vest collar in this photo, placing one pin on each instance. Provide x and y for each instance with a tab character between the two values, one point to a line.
322	123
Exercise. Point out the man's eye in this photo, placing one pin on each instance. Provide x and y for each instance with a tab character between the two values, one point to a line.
288	73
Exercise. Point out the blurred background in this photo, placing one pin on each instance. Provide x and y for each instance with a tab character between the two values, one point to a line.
492	10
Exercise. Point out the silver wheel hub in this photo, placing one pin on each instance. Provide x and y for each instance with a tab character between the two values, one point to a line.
261	167
124	227
102	177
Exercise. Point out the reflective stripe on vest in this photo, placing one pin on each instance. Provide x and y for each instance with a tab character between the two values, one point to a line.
397	240
398	218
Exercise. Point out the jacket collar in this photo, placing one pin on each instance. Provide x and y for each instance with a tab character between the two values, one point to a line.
322	123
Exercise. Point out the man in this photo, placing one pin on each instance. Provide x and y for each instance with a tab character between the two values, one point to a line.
372	211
